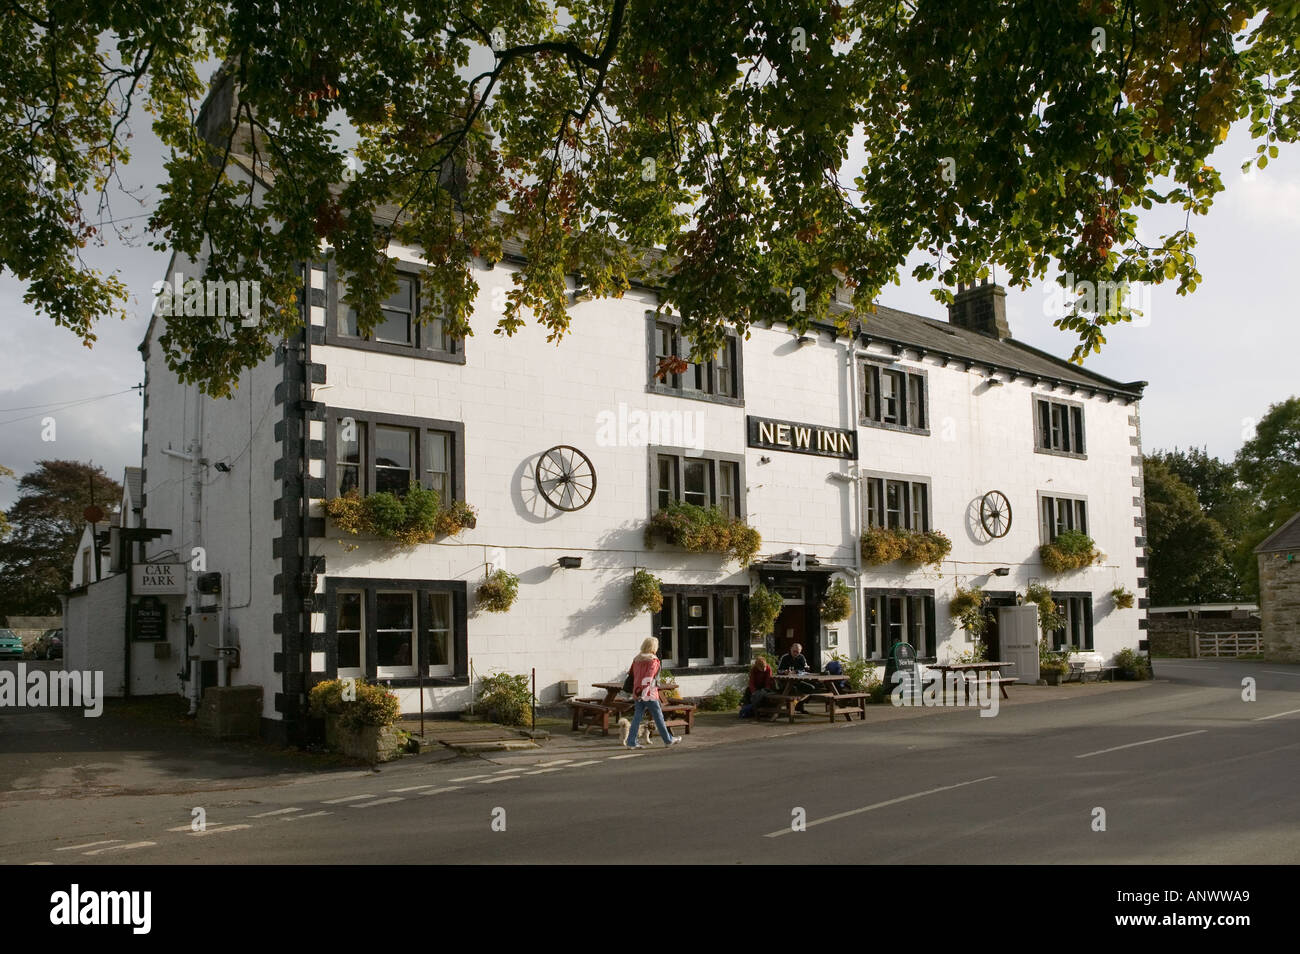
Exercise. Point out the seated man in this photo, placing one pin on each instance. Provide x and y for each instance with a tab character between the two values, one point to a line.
793	661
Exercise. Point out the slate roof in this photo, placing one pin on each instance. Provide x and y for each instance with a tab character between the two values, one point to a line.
907	330
932	336
1285	537
133	485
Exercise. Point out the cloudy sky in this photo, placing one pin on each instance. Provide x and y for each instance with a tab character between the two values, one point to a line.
1215	360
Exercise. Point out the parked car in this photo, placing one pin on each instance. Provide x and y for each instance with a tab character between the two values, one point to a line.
11	645
49	645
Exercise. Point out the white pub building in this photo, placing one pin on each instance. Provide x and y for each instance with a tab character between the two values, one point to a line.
911	423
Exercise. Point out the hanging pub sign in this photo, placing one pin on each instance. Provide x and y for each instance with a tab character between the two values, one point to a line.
158	579
798	438
149	619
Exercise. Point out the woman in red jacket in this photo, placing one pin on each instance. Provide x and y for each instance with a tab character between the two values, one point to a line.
760	676
645	689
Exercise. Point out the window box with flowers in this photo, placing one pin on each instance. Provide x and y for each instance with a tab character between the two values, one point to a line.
1071	550
704	530
408	520
922	547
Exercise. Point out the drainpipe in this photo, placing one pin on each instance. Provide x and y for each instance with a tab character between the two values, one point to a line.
856	508
305	570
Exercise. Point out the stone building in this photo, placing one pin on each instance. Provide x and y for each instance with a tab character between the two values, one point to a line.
1279	592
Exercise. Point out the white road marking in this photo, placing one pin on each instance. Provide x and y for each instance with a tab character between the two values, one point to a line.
543	771
309	815
1163	738
439	791
89	844
497	778
468	778
504	771
554	762
1281	672
346	798
630	755
1276	715
382	801
278	811
134	844
885	804
211	830
410	788
581	764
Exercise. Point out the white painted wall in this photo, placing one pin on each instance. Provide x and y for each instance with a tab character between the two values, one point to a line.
519	396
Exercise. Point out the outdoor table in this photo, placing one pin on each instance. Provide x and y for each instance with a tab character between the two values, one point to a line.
612	689
590	712
974	668
786	690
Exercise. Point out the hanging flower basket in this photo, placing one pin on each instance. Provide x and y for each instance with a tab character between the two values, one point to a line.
498	592
836	604
647	593
1050	617
967	607
1123	597
764	606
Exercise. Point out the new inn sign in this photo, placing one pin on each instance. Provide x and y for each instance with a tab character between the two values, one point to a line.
802	438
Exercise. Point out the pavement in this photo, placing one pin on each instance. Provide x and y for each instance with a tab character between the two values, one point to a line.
1181	769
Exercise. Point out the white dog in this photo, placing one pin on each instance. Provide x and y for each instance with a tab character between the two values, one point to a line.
642	732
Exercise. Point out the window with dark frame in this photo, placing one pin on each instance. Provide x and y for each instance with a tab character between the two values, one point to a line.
894	397
399	327
900	616
1076	633
391	629
373	455
703	481
897	503
700	627
1060	427
718	376
1058	514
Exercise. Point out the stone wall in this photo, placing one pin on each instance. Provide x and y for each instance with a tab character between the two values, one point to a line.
1279	603
1173	635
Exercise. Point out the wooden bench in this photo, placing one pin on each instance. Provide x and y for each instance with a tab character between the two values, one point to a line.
848	703
776	703
591	713
1000	681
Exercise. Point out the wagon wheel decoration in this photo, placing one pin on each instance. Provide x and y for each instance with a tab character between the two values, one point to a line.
566	478
995	513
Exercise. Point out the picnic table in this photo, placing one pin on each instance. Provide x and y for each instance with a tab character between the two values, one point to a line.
596	712
974	669
790	694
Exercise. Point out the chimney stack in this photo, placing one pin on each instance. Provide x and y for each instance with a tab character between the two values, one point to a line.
981	308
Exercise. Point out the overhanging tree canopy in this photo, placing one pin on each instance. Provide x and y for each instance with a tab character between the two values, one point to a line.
1023	133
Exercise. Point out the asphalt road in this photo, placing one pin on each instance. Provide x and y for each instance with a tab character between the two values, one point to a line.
1183	769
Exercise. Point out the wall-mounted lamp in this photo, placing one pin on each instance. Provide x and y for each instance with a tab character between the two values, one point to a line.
1002	571
570	562
222	467
806	340
842	478
765	460
995	382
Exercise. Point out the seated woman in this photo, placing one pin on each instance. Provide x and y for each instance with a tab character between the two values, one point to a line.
760	683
